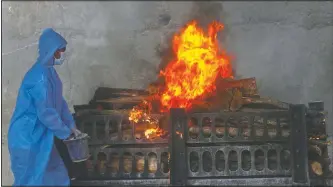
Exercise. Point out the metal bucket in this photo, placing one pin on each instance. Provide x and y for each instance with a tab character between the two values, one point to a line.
78	147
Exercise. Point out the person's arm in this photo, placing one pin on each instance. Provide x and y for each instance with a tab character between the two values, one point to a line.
66	115
46	113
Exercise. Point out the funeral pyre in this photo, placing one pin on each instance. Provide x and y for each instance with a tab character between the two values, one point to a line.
200	78
190	78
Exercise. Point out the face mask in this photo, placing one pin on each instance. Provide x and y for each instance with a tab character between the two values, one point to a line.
60	60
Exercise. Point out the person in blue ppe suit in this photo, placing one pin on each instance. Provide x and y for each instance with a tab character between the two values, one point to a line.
40	115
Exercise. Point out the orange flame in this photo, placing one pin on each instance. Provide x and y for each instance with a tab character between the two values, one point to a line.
135	115
141	113
198	63
192	74
153	132
180	134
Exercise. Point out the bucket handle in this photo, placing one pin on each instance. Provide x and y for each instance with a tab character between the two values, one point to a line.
75	137
87	136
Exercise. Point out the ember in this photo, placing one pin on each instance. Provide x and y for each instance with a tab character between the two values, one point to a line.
191	76
141	113
180	134
153	132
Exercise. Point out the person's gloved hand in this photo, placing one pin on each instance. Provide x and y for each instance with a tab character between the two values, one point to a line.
76	132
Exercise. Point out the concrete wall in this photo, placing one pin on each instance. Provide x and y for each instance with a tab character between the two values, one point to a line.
287	46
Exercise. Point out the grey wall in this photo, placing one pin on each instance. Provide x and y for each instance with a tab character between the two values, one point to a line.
287	46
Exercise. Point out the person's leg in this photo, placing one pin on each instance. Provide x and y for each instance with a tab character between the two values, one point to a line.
56	173
63	152
75	170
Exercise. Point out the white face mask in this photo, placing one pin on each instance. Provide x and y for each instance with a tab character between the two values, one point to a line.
60	60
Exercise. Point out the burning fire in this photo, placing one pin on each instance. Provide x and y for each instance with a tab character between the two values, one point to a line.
142	113
198	63
180	134
153	132
191	75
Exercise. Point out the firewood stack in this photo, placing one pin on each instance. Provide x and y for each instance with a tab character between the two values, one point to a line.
231	95
318	152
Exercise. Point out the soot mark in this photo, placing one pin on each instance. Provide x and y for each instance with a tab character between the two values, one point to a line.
164	19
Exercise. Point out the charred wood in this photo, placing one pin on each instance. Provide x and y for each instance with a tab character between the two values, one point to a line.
103	93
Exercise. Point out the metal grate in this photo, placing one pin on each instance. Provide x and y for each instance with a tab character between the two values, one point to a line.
239	127
203	148
112	128
246	161
130	163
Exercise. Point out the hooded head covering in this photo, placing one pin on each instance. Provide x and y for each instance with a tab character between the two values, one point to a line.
49	42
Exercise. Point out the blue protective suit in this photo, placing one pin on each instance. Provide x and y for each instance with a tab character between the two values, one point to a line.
40	114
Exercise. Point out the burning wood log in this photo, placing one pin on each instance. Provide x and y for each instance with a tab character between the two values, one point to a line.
233	126
236	101
230	93
219	101
89	166
127	160
147	133
194	132
140	162
206	131
127	134
247	86
318	160
220	131
152	163
263	103
316	168
113	165
139	136
112	98
103	93
154	88
123	100
234	95
101	163
234	130
115	113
